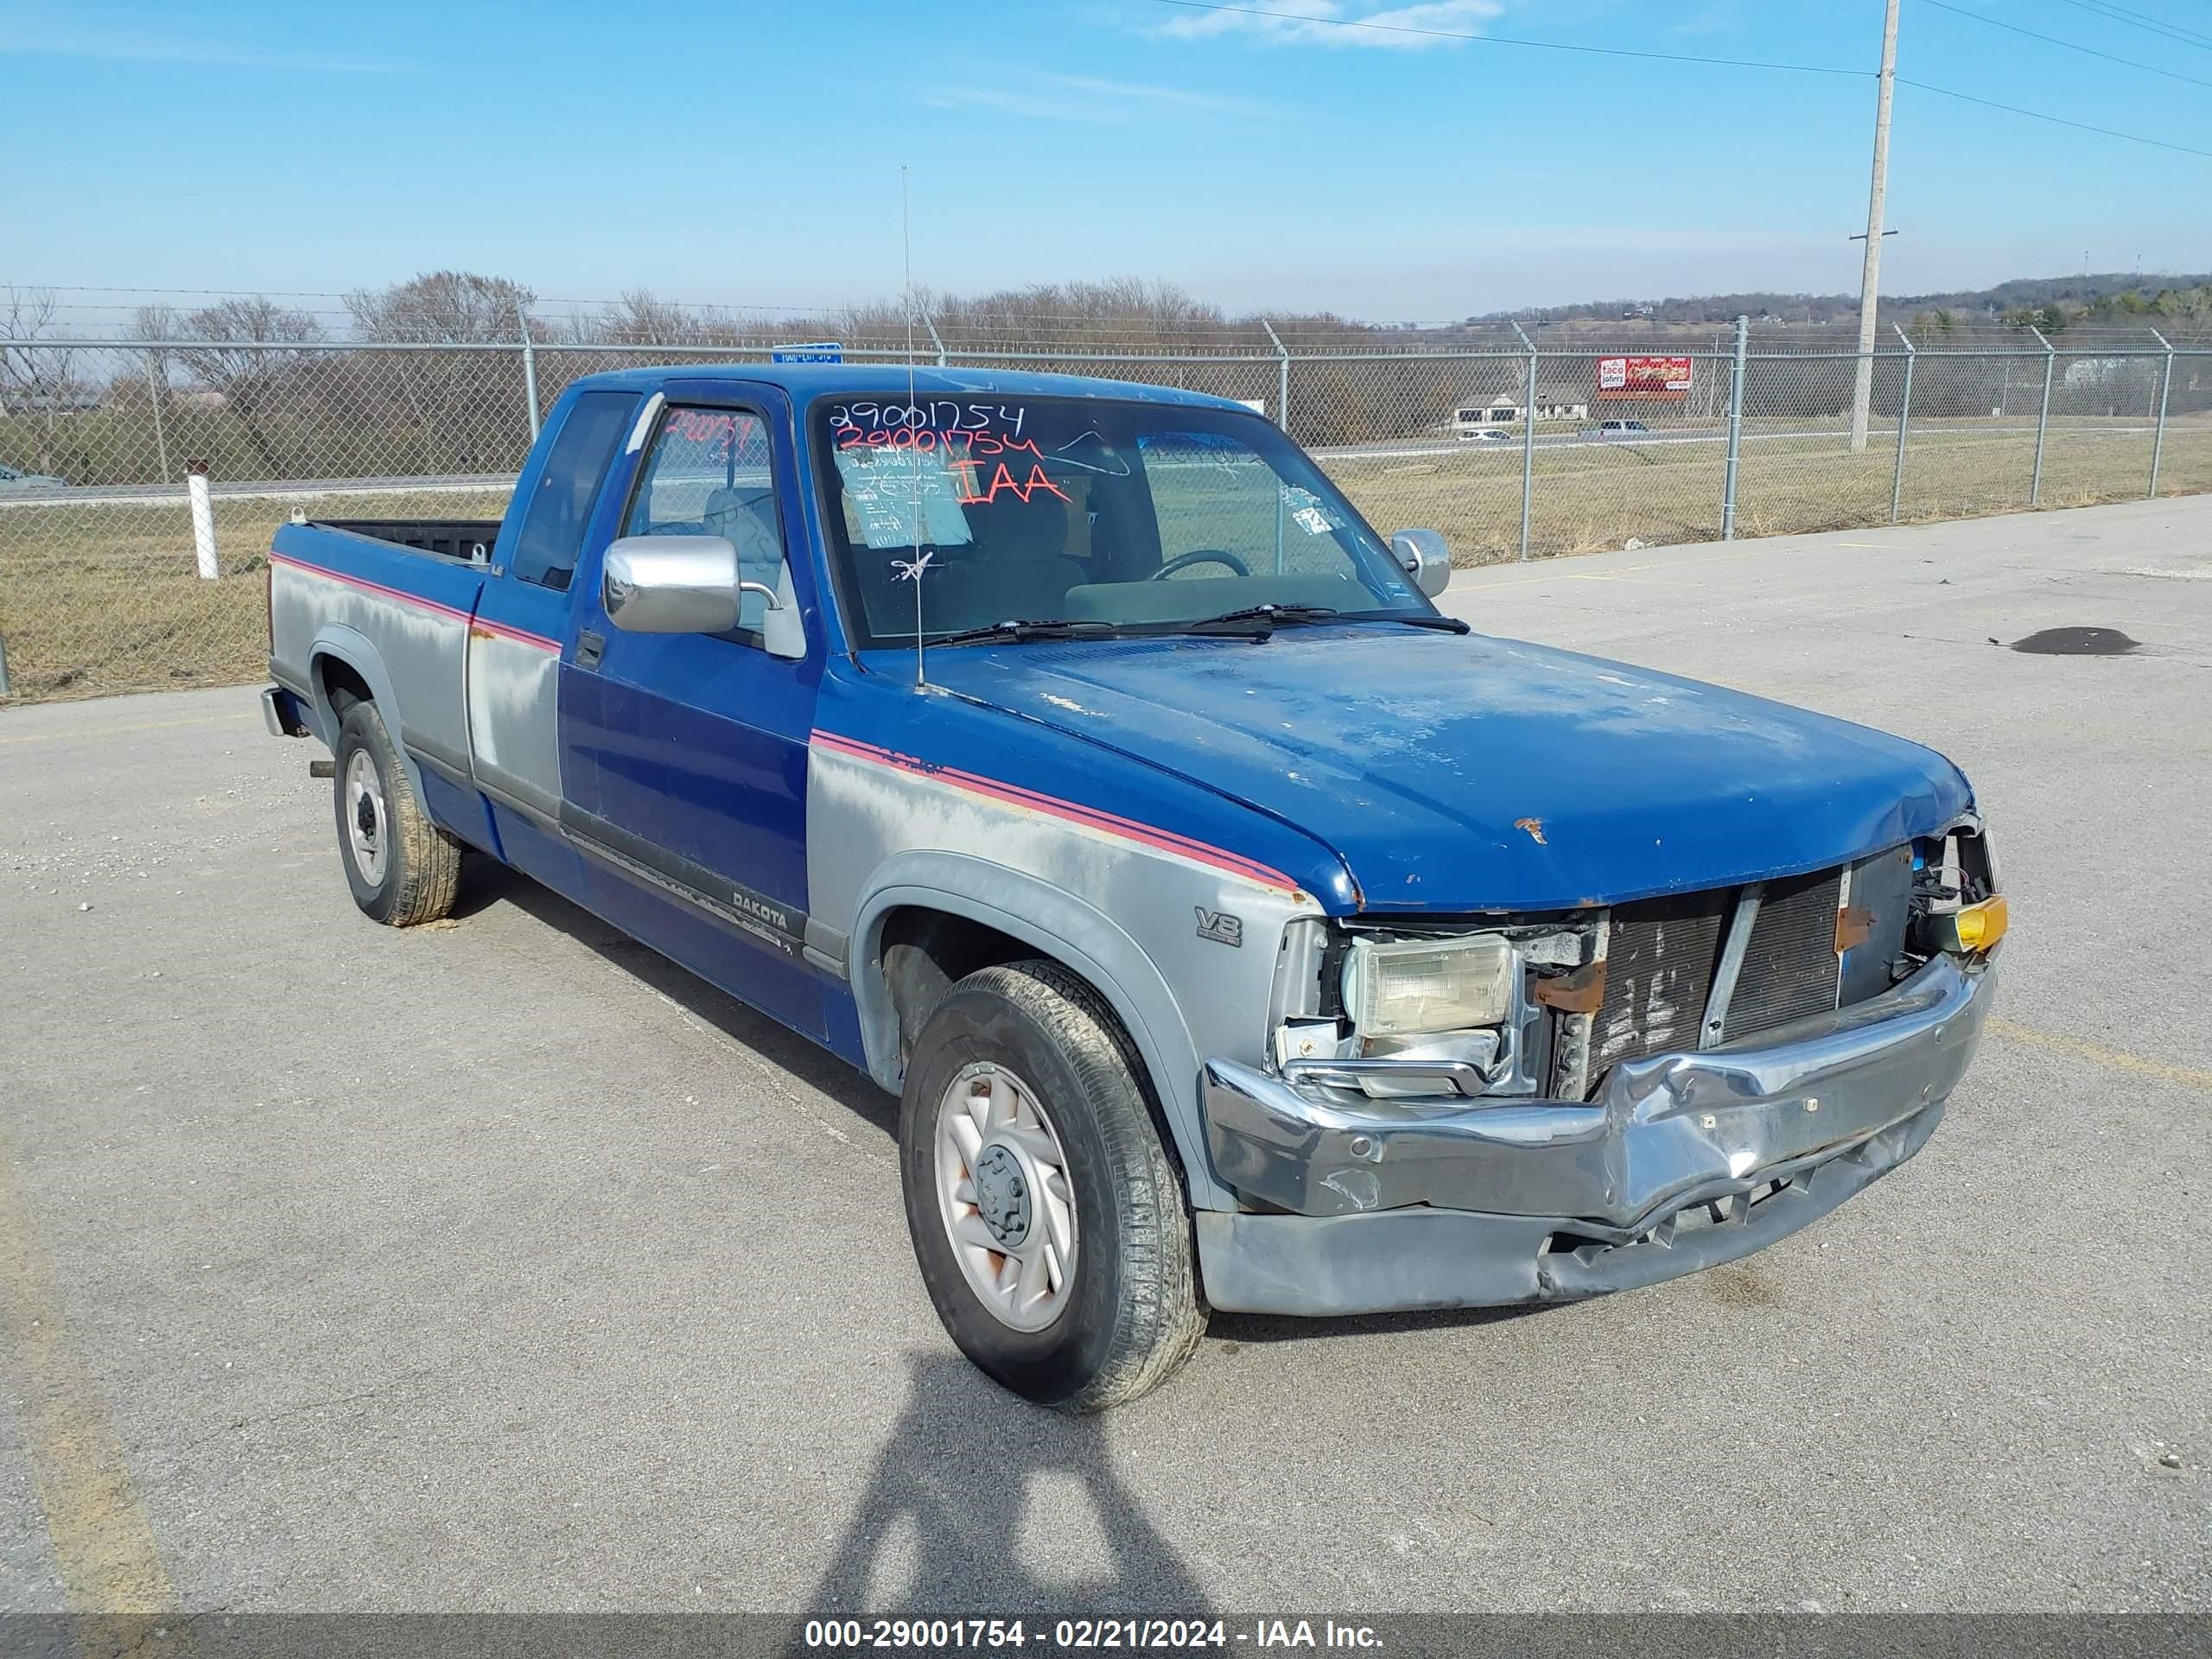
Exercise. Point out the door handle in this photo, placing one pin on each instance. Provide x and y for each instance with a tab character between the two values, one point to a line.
590	647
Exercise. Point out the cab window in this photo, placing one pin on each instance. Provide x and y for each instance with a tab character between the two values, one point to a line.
553	524
709	474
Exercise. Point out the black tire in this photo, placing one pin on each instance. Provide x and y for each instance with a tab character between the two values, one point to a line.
421	863
1134	1314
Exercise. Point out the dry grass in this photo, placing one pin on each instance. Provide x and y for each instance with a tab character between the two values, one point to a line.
99	598
1591	496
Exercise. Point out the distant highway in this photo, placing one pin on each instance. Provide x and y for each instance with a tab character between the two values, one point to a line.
1581	440
310	489
302	489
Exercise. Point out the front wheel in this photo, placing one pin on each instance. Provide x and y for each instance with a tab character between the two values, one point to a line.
1047	1217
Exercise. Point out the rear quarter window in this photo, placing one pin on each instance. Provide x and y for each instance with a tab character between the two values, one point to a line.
553	521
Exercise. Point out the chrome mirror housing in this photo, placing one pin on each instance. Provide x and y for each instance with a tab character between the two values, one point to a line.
1424	557
678	584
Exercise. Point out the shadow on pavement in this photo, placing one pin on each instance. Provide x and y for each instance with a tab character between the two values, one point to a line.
983	1506
1234	1329
485	882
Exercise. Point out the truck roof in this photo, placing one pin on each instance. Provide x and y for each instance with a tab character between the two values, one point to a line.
804	381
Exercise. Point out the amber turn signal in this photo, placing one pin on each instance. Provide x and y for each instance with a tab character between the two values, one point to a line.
1976	927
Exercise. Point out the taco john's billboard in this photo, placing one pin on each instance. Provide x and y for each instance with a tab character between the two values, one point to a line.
1647	379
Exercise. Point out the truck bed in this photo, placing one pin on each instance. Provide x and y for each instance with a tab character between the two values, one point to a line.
407	589
466	539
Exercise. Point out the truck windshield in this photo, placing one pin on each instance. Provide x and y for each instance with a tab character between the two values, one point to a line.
1119	514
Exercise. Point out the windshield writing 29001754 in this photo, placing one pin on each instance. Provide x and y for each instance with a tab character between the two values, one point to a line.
979	446
943	414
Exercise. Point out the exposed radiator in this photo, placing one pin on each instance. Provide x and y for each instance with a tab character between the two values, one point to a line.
1660	956
1659	964
1791	968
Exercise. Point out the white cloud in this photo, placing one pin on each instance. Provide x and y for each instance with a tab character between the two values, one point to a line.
1048	97
1427	23
136	46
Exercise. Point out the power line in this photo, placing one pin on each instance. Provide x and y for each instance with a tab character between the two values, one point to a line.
2056	120
1510	39
2144	21
2053	40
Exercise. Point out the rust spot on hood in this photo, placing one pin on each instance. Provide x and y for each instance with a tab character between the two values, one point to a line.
1535	829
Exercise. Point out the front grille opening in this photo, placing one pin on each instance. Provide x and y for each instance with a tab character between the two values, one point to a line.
1659	964
1791	968
1662	955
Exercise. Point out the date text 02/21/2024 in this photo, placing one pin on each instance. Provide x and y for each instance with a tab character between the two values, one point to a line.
946	1635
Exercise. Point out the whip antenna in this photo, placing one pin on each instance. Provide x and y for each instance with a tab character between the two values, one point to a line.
912	569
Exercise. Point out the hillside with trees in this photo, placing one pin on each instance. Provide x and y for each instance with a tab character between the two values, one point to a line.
2110	293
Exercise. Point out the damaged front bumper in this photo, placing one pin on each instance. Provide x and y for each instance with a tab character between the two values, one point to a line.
1679	1162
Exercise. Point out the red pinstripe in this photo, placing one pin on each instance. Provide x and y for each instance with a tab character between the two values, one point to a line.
498	630
501	630
1090	816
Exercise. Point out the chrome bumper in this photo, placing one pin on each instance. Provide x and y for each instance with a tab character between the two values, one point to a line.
1666	1132
280	713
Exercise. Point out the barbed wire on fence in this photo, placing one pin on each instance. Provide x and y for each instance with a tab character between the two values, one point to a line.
1516	448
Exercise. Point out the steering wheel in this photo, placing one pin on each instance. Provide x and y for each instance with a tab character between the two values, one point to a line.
1200	555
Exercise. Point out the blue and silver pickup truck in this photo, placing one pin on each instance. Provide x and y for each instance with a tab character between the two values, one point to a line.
1238	930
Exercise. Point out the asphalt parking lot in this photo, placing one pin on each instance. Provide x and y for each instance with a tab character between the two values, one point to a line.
499	1265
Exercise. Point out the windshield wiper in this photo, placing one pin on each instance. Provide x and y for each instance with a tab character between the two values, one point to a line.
1270	615
1261	620
1058	628
1413	620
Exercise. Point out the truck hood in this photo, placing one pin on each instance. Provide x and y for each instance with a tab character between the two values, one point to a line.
1464	773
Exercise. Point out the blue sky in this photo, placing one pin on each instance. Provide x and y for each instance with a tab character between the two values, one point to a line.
749	153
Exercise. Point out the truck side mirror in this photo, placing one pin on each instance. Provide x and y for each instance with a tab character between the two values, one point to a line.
1424	557
693	584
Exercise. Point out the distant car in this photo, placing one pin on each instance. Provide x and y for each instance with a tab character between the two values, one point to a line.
12	480
1620	430
1489	435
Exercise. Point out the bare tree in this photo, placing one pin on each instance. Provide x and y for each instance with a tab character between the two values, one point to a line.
641	319
447	409
35	372
158	325
240	351
444	308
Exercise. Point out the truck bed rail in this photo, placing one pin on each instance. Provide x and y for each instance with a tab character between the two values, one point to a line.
468	539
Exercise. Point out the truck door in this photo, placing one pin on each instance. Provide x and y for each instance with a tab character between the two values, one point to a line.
685	755
522	621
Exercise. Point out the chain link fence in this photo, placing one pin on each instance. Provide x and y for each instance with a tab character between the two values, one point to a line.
1516	451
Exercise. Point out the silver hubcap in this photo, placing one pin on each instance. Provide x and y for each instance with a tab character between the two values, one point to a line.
1003	1187
367	823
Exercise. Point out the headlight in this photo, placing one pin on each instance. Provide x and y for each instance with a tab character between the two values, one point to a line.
1416	985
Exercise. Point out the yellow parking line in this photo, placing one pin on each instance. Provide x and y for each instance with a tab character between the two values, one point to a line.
1554	573
2103	1056
115	731
102	1542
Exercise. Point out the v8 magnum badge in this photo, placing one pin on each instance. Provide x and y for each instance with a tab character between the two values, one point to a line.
1221	927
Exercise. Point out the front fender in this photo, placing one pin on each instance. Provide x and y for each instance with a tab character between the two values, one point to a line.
1061	925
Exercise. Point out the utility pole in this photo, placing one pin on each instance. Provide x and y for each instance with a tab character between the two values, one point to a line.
1870	276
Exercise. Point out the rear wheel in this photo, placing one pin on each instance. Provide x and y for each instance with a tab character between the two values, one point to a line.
403	868
1047	1216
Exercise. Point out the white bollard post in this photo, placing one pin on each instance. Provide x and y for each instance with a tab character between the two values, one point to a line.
203	520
